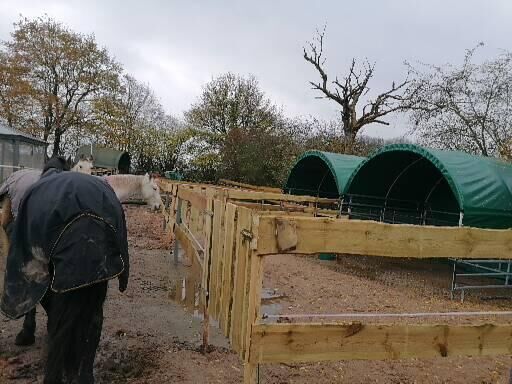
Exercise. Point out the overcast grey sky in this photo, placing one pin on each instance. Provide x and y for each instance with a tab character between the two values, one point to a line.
177	46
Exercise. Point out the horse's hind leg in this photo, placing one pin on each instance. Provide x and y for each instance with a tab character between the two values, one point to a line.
92	325
75	321
27	333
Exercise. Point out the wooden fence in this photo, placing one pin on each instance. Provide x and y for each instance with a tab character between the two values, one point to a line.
228	234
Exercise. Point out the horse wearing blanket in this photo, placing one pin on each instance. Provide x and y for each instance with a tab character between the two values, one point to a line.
69	238
15	186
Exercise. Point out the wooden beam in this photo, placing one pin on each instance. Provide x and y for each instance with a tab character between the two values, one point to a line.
249	195
235	194
310	235
244	224
254	287
216	258
273	343
268	207
250	186
166	185
250	373
204	299
197	200
188	244
227	282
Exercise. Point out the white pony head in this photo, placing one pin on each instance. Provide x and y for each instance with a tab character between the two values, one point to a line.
151	192
84	165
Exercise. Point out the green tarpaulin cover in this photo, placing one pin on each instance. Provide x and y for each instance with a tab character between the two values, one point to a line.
321	174
107	157
447	181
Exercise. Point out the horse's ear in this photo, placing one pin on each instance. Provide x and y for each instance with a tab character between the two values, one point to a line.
90	158
146	177
82	156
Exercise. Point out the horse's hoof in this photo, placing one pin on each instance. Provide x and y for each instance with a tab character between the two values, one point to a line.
24	339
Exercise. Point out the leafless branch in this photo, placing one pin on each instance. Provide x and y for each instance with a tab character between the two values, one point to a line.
347	92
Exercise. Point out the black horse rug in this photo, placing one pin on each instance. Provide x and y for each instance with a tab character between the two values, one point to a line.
70	233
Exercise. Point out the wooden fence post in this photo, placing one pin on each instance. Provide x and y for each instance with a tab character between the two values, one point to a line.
254	287
205	283
178	222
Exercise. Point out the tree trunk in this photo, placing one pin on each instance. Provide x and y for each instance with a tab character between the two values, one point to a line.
349	137
56	143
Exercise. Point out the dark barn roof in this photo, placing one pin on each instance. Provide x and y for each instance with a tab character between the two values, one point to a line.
11	133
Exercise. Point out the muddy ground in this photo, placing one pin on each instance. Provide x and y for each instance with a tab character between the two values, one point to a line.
149	338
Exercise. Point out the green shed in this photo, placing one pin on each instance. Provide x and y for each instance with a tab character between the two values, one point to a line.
107	158
405	183
322	174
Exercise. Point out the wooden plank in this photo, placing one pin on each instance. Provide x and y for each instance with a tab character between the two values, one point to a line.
164	185
242	254
207	252
174	201
238	194
177	222
192	215
235	194
321	342
250	373
227	282
220	261
253	300
266	207
188	245
245	305
273	210
250	186
196	199
315	235
215	256
204	295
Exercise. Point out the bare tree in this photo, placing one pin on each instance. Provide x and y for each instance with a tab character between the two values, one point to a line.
349	92
466	108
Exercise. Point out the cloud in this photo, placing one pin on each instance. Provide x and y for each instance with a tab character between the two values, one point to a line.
177	46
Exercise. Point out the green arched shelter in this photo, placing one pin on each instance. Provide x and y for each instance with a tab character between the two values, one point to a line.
107	157
322	174
439	187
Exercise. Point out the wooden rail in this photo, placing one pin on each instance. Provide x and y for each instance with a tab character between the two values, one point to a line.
231	183
281	343
230	235
309	235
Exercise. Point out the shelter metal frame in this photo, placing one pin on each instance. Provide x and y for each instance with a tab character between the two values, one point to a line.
397	215
480	269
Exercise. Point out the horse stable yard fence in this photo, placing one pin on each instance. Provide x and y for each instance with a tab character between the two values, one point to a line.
226	235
